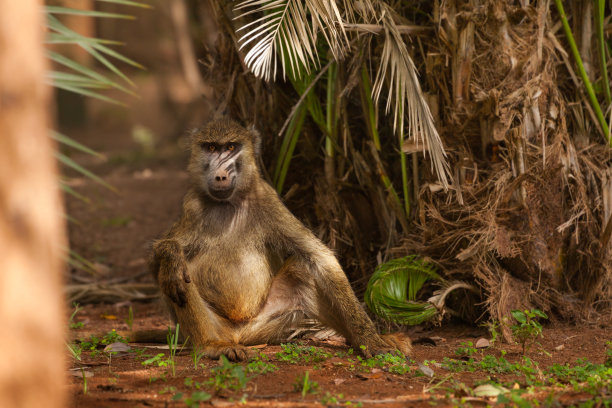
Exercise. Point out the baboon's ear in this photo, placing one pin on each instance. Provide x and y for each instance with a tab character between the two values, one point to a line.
256	140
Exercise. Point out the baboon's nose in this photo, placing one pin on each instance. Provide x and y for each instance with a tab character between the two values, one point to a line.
222	180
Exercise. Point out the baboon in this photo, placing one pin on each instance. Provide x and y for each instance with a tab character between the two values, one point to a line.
238	269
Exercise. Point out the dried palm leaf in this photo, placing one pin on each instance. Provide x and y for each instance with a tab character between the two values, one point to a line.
404	93
288	30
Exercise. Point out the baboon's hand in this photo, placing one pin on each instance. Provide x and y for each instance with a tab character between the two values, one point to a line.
388	343
173	280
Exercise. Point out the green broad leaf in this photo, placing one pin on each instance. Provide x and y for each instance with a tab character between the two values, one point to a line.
539	313
519	316
392	290
86	13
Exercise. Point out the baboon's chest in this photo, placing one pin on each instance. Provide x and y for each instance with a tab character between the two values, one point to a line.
234	280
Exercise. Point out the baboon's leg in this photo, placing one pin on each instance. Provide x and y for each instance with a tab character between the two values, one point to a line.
205	329
282	312
330	299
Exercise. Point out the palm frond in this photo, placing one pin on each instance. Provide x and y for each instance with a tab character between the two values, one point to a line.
392	290
398	71
288	30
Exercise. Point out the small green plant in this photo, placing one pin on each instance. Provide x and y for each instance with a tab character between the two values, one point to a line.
294	354
466	349
608	362
172	338
227	375
71	323
84	380
393	363
260	364
196	355
158	359
93	343
130	319
493	327
194	399
189	382
305	385
528	328
75	350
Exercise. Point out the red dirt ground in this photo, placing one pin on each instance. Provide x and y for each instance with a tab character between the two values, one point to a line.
125	382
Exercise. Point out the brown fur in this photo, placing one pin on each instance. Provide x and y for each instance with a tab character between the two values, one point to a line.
241	270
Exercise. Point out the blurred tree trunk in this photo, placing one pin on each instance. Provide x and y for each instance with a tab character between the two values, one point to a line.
32	368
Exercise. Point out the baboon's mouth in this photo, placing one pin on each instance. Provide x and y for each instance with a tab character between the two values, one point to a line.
222	194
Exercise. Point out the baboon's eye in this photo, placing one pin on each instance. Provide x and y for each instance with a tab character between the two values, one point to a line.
209	146
231	147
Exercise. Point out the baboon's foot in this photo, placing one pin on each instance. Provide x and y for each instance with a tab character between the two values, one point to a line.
233	351
387	343
399	342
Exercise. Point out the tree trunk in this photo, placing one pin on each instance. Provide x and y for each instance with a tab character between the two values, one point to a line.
32	367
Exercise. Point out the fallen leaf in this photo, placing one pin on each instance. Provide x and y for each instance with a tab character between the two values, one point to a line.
117	347
426	370
108	317
482	343
489	390
369	376
338	381
560	347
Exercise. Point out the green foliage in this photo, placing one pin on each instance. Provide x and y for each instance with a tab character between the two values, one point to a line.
228	375
393	363
71	323
528	328
93	343
194	399
294	354
158	359
305	385
588	86
172	339
466	349
260	364
196	356
392	290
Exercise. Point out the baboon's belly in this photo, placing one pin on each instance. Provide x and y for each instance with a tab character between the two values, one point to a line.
236	286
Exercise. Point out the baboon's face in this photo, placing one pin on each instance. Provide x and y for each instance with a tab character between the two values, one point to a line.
221	166
222	160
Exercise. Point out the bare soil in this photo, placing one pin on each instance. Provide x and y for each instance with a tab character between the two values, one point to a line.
123	381
114	230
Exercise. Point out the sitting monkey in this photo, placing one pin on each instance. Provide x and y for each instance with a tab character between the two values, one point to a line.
238	269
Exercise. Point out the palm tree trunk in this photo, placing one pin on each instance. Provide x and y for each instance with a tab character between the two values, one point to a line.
32	370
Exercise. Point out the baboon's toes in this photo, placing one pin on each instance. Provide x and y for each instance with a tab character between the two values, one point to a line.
237	353
233	352
399	341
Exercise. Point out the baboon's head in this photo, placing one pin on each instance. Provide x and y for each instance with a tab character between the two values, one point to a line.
222	163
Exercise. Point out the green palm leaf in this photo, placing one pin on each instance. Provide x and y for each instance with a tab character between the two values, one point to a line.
392	289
